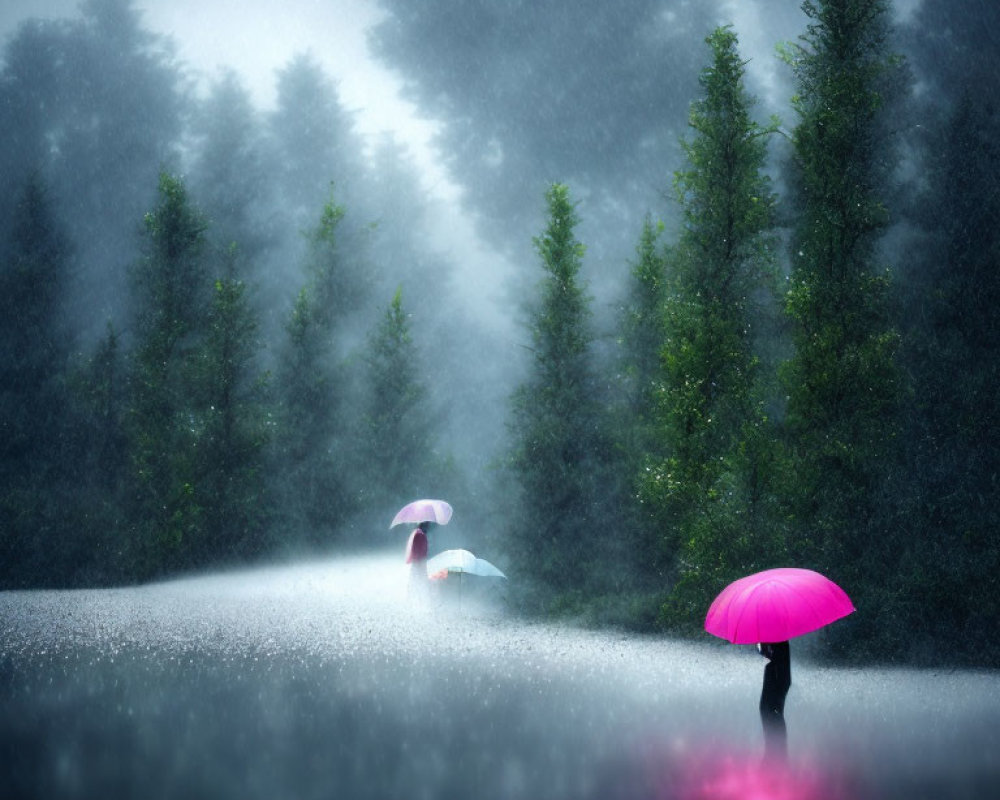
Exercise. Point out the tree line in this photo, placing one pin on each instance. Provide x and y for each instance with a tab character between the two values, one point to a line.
206	361
779	396
777	392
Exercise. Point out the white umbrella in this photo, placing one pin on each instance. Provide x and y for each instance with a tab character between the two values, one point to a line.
462	561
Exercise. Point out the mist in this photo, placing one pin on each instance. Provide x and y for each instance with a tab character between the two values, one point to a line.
319	679
268	276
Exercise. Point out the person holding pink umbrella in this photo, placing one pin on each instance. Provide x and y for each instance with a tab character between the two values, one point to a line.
777	682
423	512
767	609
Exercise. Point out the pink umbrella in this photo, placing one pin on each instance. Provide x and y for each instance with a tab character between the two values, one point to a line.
776	605
423	511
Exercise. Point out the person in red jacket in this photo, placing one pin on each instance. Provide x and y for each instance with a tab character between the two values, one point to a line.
416	557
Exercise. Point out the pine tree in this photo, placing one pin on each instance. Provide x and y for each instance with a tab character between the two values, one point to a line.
561	447
842	383
99	394
229	174
952	352
171	285
310	420
640	382
235	425
642	330
709	488
401	458
313	137
34	473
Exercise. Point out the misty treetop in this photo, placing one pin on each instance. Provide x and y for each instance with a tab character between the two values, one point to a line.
228	336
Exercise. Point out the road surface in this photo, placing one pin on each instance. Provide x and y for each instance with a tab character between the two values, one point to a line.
321	680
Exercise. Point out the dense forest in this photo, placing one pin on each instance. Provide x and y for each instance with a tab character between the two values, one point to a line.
228	339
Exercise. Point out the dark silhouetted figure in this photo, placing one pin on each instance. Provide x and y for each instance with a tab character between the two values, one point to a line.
777	680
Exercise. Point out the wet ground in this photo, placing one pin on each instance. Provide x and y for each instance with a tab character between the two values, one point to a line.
323	681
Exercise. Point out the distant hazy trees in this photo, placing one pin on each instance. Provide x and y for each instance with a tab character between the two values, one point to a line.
34	403
165	418
313	139
258	384
310	467
559	439
96	107
952	336
395	435
616	108
230	172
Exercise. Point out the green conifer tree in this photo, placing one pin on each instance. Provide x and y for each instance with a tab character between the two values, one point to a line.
34	472
640	384
711	486
401	456
308	450
163	423
842	384
952	353
561	448
235	424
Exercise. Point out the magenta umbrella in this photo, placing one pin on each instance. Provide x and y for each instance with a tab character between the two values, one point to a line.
776	605
423	511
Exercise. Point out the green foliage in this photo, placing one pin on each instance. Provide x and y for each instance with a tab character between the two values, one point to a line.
710	475
235	421
311	399
400	453
163	421
560	446
843	384
640	381
642	484
34	428
952	352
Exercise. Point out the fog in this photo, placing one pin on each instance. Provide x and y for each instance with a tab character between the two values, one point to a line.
442	138
322	679
365	183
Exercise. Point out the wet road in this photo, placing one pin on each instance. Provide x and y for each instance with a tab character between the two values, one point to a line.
319	681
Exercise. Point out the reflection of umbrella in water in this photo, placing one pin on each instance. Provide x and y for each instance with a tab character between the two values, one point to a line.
437	511
776	605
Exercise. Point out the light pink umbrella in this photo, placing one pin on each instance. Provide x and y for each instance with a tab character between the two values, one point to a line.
776	605
418	511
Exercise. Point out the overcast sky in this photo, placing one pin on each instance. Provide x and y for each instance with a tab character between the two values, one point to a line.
258	38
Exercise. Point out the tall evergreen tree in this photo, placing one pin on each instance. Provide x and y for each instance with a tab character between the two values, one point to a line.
843	384
560	445
99	395
33	397
313	139
171	288
399	446
310	380
234	427
640	383
229	175
952	353
711	485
